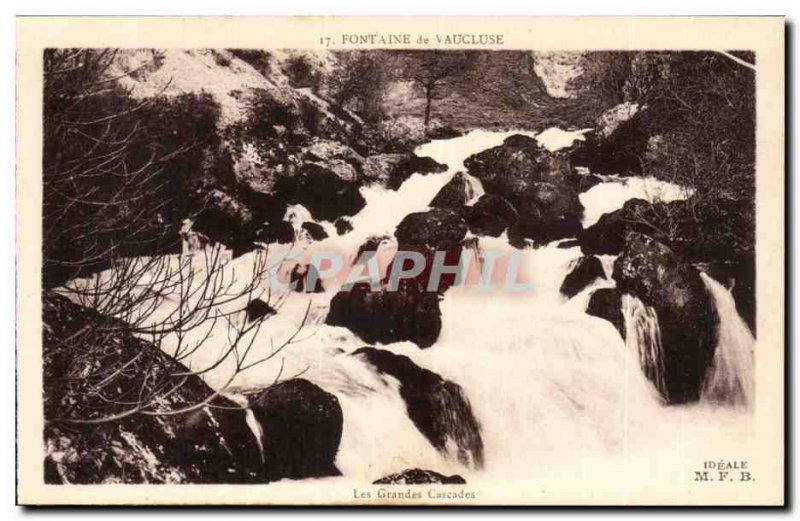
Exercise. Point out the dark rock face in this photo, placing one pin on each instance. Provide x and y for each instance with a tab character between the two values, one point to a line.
497	205
302	429
257	308
607	235
510	168
581	182
436	228
410	313
650	271
322	192
201	445
617	150
491	215
450	255
343	226
392	170
455	194
224	219
280	232
370	245
705	230
315	231
420	477
438	407
585	271
305	279
606	303
548	212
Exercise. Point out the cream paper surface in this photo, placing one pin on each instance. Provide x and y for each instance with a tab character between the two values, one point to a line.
669	482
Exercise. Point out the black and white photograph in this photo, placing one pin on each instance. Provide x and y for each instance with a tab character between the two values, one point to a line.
458	272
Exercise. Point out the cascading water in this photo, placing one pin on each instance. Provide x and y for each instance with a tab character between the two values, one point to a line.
730	377
643	339
555	392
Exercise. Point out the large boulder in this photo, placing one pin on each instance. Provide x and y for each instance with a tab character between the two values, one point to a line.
607	235
314	230
450	255
93	433
455	194
305	279
650	271
340	159
410	313
301	429
321	191
343	226
606	303
698	229
391	170
438	407
257	309
280	232
224	218
491	215
437	228
548	212
585	271
618	143
420	477
510	168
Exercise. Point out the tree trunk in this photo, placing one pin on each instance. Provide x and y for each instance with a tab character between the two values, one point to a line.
428	101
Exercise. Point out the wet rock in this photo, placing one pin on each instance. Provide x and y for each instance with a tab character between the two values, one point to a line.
618	143
548	212
340	159
581	182
391	170
410	313
343	226
371	245
455	194
257	308
204	444
302	430
450	256
438	407
280	232
607	235
651	272
606	303
224	219
305	279
585	271
315	230
497	205
420	477
509	169
491	215
436	228
322	192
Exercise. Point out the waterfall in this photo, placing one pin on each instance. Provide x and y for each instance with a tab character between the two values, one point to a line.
526	384
730	378
643	339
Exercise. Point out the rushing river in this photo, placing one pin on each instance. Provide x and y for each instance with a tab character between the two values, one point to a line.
558	395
